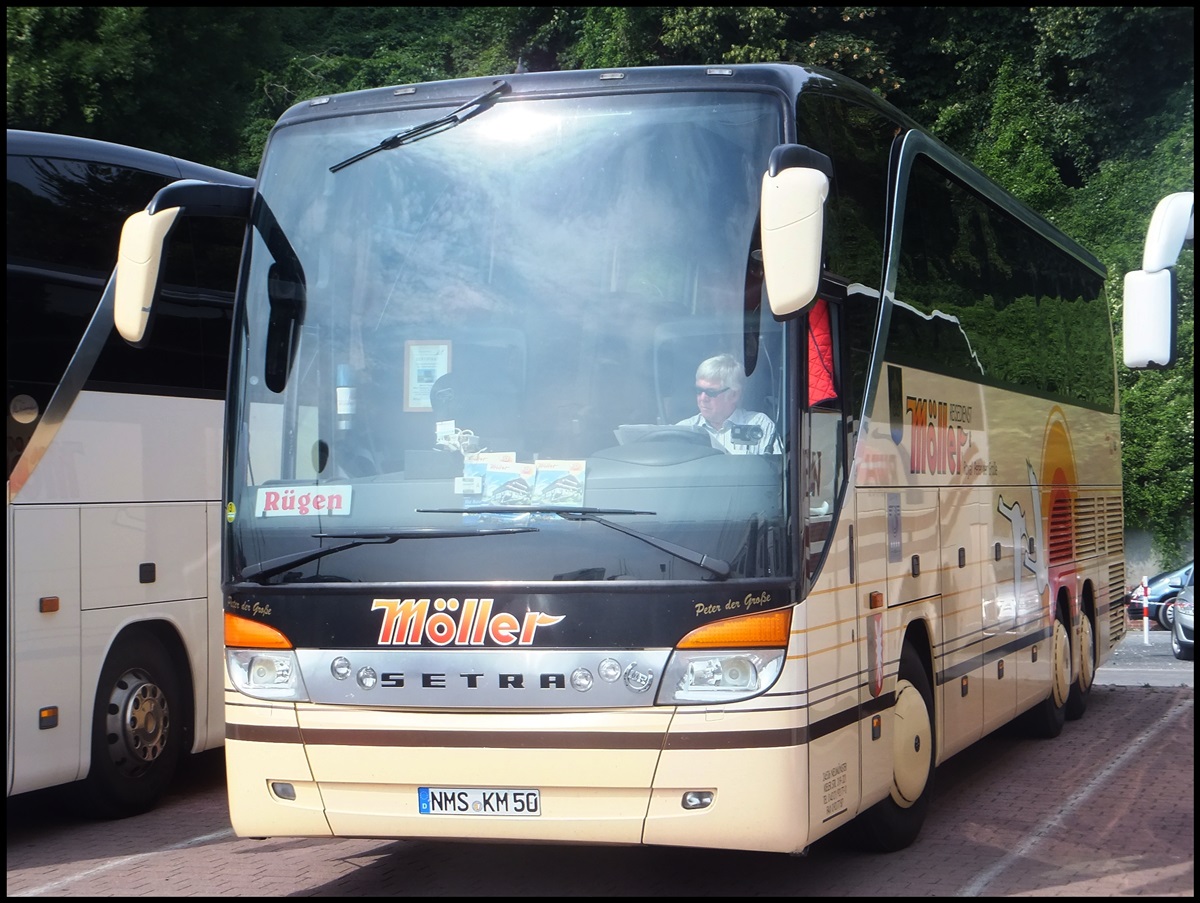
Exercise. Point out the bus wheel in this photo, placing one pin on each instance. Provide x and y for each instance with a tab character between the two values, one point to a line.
1081	690
1046	719
893	823
135	744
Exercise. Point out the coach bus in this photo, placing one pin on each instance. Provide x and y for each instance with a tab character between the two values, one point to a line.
115	649
497	565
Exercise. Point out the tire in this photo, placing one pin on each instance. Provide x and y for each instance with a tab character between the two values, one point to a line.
894	823
136	744
1081	690
1046	719
1166	613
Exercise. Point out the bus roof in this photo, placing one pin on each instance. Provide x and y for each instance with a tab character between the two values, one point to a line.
72	147
788	78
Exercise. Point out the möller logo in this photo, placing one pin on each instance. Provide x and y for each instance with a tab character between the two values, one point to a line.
449	622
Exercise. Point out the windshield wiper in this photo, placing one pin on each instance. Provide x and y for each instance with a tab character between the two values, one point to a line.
432	127
273	566
716	566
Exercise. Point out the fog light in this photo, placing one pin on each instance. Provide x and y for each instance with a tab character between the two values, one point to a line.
283	791
610	670
697	799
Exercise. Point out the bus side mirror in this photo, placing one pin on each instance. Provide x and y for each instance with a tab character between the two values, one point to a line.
794	189
287	296
139	265
143	245
1151	298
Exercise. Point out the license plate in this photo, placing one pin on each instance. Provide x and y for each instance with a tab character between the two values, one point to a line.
477	801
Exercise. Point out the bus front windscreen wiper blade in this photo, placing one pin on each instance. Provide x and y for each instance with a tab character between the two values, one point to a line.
716	566
432	127
265	569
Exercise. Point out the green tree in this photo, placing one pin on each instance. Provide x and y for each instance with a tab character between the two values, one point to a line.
1013	146
1158	406
171	79
1085	113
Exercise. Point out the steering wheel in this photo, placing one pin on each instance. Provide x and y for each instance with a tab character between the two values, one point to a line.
668	434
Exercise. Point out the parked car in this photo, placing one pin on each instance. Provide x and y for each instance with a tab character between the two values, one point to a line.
1183	631
1164	588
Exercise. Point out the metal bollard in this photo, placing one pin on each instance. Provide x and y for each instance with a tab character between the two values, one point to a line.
1145	610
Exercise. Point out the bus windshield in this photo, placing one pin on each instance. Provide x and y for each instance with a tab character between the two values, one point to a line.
500	325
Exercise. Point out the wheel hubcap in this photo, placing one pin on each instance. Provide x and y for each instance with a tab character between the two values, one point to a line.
1061	656
1087	656
138	722
912	745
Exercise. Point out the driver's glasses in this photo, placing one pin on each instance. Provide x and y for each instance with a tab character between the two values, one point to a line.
711	393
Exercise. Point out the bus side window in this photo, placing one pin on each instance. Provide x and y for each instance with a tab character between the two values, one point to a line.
822	447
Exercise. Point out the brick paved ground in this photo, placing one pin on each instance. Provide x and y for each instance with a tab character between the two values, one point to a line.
1107	809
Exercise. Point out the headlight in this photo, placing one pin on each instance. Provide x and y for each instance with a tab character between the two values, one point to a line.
1184	606
266	674
707	675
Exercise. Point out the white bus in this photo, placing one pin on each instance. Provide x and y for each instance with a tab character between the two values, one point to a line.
114	471
502	561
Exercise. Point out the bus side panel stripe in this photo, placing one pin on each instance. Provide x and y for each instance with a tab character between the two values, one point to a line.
798	736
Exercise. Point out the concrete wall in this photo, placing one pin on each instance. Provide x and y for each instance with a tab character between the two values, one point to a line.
1140	560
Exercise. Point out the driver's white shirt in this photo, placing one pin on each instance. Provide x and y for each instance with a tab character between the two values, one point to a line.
767	443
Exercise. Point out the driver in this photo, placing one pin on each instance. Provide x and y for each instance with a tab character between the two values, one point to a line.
730	427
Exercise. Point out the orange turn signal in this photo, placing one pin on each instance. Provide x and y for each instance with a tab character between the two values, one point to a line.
244	633
766	629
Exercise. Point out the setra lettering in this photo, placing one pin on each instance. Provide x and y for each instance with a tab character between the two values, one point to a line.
397	680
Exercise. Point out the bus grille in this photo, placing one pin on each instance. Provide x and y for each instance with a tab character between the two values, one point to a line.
1114	535
1087	533
1061	517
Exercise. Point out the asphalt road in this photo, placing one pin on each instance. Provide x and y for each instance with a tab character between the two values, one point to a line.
1144	659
